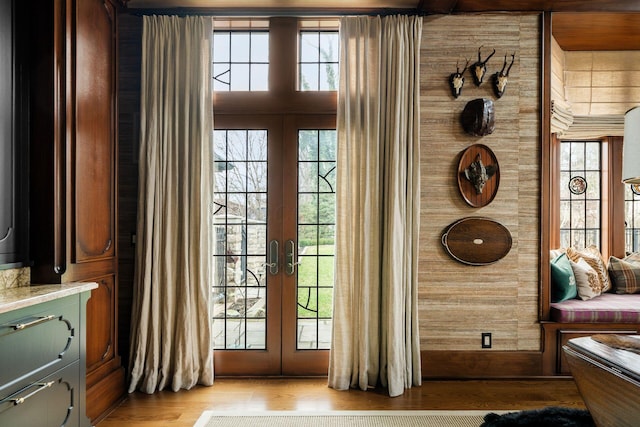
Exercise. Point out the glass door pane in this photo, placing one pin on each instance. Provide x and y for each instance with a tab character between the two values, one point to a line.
316	237
246	290
309	232
240	219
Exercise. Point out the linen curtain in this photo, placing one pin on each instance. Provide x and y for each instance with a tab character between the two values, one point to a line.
375	338
170	331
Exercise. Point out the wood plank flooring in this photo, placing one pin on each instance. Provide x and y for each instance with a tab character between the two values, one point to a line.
183	408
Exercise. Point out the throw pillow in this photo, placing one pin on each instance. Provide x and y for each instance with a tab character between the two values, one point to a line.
587	280
625	275
633	257
592	256
563	281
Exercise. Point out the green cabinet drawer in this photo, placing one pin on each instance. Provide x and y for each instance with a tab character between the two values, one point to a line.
36	341
50	402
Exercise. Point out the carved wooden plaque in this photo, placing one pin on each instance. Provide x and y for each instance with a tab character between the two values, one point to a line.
478	117
478	175
477	241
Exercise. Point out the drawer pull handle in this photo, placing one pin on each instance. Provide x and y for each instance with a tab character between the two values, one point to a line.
41	386
42	319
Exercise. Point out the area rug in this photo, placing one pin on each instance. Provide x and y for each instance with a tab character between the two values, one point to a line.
551	416
343	419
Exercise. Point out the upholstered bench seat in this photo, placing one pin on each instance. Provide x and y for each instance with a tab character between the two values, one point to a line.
605	308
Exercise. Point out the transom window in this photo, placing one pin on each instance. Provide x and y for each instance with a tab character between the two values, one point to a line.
240	52
240	60
318	60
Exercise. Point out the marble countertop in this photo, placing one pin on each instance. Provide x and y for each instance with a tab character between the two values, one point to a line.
25	296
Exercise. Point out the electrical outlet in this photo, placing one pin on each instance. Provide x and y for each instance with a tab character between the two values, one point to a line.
486	340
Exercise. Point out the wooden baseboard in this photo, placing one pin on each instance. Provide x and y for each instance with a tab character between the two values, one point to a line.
480	364
105	395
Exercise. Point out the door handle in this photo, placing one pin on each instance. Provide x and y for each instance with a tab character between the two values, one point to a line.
273	257
291	257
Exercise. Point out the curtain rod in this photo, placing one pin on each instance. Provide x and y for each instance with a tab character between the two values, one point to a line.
270	12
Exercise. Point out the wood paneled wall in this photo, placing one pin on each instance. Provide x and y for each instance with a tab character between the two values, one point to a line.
130	56
602	82
459	302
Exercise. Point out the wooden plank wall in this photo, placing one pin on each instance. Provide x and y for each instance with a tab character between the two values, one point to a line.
602	82
129	63
458	302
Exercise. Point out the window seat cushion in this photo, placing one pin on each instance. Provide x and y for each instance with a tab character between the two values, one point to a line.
605	308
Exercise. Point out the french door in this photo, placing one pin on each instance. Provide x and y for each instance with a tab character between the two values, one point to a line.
274	223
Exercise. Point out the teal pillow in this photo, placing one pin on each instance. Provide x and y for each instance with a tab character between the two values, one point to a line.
563	282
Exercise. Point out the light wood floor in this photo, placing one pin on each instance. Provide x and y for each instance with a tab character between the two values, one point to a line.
183	408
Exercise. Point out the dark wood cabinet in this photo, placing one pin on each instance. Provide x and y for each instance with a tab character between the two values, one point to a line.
13	171
73	172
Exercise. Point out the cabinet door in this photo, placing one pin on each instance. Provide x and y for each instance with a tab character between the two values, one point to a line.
101	323
94	181
12	174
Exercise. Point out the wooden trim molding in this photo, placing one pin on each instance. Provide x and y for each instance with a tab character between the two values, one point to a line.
617	244
546	176
480	364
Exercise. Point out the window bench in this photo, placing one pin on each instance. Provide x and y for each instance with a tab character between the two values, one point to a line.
607	313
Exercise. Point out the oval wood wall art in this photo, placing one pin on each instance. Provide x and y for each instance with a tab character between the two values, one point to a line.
477	241
469	163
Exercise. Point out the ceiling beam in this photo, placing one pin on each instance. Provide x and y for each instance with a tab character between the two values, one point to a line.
472	6
436	6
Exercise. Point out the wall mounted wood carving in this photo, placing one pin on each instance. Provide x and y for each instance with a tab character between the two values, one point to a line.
478	117
477	241
478	175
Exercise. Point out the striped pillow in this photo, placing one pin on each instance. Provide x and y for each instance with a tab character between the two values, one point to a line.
625	274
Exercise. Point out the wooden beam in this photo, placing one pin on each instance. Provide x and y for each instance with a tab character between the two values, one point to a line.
436	6
537	6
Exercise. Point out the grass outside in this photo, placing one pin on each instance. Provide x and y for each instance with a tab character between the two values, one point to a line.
315	282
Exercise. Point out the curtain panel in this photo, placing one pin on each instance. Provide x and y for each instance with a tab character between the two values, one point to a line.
170	332
375	338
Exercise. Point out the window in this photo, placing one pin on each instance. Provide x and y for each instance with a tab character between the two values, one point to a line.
589	203
240	218
240	57
580	195
632	218
316	236
318	60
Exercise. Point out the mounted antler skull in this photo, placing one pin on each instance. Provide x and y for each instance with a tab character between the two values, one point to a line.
501	78
479	69
456	80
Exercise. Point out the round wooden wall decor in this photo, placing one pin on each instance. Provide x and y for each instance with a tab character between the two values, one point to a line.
478	175
477	241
